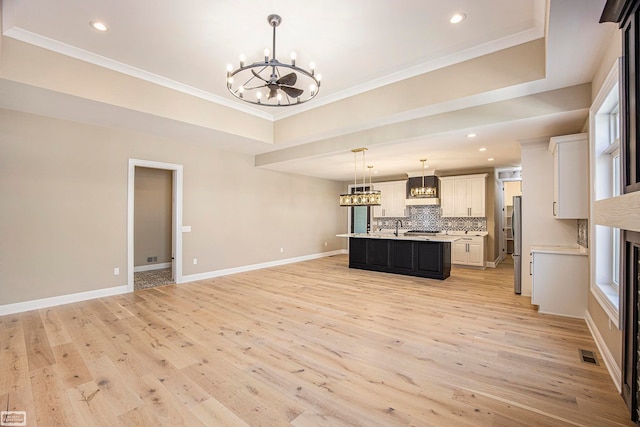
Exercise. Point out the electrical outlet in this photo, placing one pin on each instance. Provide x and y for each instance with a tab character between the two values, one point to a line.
195	261
116	271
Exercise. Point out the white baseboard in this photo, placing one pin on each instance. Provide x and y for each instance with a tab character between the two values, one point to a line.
227	271
493	264
37	304
149	267
614	370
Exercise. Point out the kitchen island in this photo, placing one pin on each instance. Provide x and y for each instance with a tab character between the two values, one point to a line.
421	256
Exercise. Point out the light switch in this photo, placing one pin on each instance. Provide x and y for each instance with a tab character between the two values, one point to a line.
186	229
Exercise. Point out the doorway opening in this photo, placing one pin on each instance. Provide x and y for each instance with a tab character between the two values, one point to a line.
511	185
154	222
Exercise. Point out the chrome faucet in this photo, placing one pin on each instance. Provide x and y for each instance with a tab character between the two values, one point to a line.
398	221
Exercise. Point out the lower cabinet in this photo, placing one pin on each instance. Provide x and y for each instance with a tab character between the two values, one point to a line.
468	251
409	257
560	283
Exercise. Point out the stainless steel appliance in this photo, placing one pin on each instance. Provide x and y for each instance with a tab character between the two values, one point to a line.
516	226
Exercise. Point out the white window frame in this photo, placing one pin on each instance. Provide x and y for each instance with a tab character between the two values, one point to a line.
604	135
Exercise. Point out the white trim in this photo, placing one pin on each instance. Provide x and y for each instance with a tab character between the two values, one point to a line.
245	268
553	313
614	370
37	304
605	302
493	264
150	267
603	94
177	216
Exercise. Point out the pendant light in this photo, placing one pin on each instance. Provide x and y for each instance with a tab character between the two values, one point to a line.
361	197
424	191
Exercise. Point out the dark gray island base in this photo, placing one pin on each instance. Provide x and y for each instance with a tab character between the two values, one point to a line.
409	257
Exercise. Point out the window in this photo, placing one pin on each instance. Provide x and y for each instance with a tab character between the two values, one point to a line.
606	182
616	233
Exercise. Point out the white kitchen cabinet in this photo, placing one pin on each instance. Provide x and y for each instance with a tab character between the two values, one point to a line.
463	196
570	176
560	280
393	198
469	250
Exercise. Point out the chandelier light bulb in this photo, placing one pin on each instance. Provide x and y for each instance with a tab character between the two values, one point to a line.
230	80
293	56
242	59
312	67
312	88
259	96
229	69
319	77
266	55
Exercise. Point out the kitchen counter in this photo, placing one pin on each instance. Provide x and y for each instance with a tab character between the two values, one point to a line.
391	236
562	250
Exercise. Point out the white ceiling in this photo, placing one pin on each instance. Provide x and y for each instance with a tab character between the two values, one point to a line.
357	45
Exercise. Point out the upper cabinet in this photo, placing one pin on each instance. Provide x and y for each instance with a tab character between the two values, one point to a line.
570	176
393	197
463	196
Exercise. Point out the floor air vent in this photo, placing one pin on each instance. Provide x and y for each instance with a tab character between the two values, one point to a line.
588	356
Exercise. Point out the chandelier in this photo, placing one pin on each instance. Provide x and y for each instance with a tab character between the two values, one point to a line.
424	191
271	82
361	197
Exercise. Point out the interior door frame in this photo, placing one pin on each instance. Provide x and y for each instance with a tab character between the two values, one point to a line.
176	216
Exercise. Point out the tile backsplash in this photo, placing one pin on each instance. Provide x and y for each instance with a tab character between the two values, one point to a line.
583	233
428	218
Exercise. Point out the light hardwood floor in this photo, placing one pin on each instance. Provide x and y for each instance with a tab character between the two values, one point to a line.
307	344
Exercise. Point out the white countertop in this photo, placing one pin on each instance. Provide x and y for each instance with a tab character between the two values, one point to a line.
561	250
391	236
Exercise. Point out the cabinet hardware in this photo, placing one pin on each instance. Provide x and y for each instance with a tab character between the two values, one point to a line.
530	268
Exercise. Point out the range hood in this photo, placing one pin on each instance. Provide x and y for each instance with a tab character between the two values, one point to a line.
429	181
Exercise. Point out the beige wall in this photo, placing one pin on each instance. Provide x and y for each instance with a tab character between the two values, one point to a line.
152	216
64	207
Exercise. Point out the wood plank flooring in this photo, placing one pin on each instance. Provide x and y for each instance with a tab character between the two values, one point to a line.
307	344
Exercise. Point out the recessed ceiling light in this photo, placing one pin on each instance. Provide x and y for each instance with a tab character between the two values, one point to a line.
471	135
491	159
457	18
100	26
482	149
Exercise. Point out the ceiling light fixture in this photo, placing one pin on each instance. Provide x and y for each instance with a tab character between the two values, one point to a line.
482	149
458	18
471	135
100	26
360	195
491	159
424	191
281	83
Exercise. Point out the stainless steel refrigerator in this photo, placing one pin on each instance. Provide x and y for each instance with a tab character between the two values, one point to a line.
516	226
